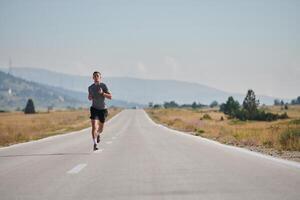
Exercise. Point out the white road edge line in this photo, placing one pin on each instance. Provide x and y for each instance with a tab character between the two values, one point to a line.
280	160
77	168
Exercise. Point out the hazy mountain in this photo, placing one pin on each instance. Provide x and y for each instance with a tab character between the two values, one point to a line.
76	83
14	93
136	90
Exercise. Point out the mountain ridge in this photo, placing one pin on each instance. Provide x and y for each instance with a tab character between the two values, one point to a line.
15	91
138	90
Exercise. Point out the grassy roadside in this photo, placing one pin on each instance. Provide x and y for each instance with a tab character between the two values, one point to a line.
16	127
280	137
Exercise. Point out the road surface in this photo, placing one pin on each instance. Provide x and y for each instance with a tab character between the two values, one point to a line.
139	159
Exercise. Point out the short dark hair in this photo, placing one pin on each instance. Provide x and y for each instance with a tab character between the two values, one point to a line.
96	72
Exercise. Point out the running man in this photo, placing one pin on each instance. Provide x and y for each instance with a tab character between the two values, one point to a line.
97	94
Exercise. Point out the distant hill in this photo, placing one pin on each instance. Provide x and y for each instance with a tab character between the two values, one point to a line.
14	93
137	90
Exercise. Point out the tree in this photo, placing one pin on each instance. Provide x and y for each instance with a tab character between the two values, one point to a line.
29	109
276	102
171	104
296	101
213	104
231	107
150	105
50	108
194	105
156	106
250	104
249	110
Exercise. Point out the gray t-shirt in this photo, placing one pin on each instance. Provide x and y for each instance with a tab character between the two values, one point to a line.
98	99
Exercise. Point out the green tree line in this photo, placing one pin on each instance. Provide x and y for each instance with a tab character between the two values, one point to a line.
249	109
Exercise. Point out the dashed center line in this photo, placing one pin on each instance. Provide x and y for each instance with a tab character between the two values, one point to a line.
77	168
108	142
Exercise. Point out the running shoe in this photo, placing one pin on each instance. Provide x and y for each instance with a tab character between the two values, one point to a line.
95	147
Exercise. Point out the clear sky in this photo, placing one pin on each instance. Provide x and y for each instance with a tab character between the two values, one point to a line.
232	45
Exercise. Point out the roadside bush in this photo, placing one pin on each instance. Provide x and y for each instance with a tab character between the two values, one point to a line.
206	117
171	104
268	143
157	106
259	115
263	116
175	122
199	132
241	115
290	139
283	116
250	110
295	121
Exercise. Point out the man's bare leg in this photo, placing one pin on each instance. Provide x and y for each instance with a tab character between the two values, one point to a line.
95	127
100	129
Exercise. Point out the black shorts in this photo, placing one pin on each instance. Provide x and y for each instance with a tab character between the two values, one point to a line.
98	114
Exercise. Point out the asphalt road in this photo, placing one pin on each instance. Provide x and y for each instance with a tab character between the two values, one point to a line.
138	159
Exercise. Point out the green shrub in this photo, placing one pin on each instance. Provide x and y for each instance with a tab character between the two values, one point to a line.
206	117
236	122
259	115
295	121
268	143
249	110
290	139
199	132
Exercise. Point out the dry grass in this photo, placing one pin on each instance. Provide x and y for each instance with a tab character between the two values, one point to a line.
17	127
280	135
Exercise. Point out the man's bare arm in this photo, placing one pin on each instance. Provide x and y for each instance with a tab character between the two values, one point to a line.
107	95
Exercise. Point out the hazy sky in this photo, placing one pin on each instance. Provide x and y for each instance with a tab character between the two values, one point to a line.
230	45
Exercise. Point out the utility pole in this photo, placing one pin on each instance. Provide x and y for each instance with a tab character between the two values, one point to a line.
10	73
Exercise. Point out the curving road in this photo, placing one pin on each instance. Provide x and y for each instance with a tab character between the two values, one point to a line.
139	159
